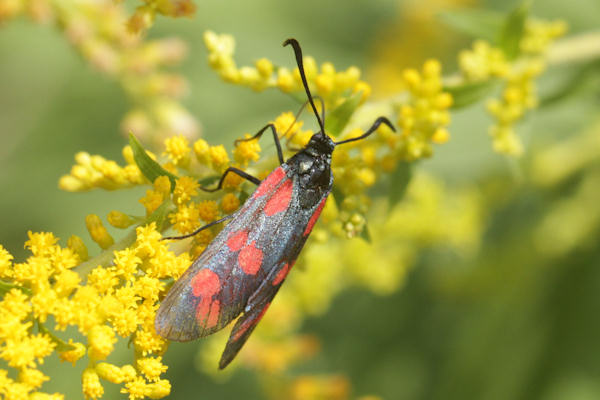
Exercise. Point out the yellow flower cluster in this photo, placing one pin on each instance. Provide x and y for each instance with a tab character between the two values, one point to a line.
519	95
483	62
97	172
424	118
540	34
101	33
331	85
144	15
116	301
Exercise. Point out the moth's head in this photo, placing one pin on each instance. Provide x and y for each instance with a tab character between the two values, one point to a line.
320	142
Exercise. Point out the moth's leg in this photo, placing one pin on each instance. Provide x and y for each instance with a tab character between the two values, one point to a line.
236	171
275	138
225	218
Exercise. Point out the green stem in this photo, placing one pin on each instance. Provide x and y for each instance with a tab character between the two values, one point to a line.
575	49
106	257
6	287
61	345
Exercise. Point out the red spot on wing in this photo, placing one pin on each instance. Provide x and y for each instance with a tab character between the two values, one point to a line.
282	273
250	322
280	200
273	179
313	219
205	284
213	316
207	312
250	259
237	240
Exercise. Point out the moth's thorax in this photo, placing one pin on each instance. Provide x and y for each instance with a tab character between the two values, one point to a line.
312	167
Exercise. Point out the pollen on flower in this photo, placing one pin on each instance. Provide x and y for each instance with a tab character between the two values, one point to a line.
186	218
152	368
246	150
178	150
92	388
186	187
137	388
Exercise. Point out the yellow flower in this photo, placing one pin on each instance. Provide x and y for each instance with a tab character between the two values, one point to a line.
5	262
126	263
119	219
218	157
178	150
101	340
208	210
152	201
98	232
75	243
159	389
32	377
110	372
136	388
201	150
92	389
230	203
152	368
156	196
246	150
73	355
186	218
186	187
147	341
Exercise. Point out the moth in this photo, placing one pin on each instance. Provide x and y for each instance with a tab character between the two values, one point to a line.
242	269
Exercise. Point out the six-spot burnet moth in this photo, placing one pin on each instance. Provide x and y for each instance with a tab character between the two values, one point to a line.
242	269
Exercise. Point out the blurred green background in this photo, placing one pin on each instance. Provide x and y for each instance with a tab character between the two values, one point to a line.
505	323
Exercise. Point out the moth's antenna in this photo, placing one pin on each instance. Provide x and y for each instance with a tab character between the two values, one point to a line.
298	53
373	128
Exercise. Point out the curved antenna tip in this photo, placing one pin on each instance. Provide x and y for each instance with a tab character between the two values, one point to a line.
291	41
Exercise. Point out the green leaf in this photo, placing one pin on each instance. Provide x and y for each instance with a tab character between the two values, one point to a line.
61	345
209	180
150	168
575	83
465	94
399	181
6	287
513	29
480	24
338	118
365	234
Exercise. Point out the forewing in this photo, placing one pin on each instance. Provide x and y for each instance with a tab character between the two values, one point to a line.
216	287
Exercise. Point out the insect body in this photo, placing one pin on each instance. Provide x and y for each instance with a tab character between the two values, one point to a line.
242	269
